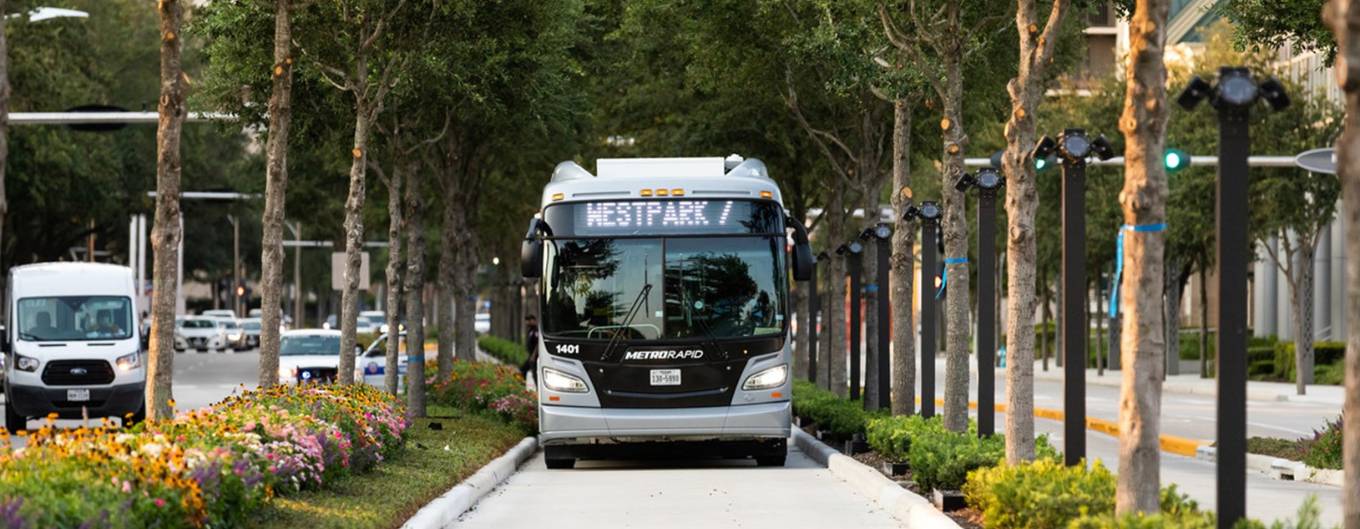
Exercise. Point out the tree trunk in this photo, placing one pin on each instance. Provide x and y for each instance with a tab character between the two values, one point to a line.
1036	47
354	236
448	263
276	186
165	236
902	274
4	131
396	263
465	303
836	298
869	273
800	340
1144	203
955	228
1344	18
1301	297
414	224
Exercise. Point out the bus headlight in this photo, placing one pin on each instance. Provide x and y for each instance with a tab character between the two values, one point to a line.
769	378
559	381
129	362
25	363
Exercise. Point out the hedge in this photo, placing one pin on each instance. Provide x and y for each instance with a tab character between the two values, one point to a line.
211	467
506	351
1042	494
1324	354
842	417
939	458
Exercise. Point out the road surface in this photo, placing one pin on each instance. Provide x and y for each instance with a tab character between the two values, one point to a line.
680	494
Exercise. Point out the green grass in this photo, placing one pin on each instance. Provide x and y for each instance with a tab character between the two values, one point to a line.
398	487
1269	446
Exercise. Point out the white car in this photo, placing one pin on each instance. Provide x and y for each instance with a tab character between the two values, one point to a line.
201	334
371	367
370	321
233	332
310	355
218	313
482	323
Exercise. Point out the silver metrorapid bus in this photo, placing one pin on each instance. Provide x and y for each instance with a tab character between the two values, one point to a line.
664	312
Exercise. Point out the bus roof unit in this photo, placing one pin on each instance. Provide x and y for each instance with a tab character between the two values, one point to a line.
632	178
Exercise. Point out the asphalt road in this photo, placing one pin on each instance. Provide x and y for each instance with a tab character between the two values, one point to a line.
680	494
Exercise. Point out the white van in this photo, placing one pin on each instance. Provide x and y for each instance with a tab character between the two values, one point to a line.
72	344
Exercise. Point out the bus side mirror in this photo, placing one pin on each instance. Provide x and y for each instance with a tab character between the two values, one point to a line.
802	251
531	250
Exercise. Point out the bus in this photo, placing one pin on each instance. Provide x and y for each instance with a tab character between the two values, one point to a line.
663	300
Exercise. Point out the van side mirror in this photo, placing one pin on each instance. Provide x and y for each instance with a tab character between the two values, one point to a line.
531	250
803	261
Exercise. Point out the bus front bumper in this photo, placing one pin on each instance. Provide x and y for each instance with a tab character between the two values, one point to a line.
573	425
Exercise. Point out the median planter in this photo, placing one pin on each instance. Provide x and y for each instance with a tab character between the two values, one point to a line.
895	469
856	445
948	500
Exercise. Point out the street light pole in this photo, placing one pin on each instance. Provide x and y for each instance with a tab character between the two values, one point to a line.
852	252
1232	98
883	232
929	213
988	181
1074	148
814	317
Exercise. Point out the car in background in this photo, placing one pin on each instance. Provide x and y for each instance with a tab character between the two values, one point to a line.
218	313
254	313
309	356
482	322
331	323
371	366
198	333
371	321
232	331
251	328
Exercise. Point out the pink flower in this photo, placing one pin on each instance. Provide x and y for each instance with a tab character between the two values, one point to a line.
127	486
160	502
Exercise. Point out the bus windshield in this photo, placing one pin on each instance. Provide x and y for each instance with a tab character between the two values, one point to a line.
718	287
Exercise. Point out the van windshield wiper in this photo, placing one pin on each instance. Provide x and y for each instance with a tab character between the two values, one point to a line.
627	321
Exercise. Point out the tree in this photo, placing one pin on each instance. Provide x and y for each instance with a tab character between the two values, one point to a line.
4	121
1273	24
414	225
1037	49
1295	208
940	38
396	260
1144	201
1344	18
276	185
903	263
165	236
357	47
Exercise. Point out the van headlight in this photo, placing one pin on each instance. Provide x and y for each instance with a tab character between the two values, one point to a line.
769	378
129	362
559	381
25	363
287	373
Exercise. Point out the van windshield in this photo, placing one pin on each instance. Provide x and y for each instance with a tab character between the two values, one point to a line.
69	318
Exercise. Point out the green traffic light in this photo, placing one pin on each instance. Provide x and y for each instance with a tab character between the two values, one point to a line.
1175	160
1042	164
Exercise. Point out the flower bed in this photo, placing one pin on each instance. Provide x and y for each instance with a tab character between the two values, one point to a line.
211	467
493	388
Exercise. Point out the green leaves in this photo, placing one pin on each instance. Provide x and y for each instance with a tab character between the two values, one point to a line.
1040	495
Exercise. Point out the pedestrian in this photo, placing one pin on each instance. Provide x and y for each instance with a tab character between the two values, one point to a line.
530	346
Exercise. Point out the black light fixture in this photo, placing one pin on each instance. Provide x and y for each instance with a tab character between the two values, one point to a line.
987	181
929	215
1232	98
852	251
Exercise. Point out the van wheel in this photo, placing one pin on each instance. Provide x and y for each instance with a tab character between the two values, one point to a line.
13	421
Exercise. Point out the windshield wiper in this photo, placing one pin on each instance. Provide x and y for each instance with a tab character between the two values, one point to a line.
712	339
29	337
627	320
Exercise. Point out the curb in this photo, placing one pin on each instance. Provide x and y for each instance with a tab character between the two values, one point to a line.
902	504
444	510
1172	444
1280	469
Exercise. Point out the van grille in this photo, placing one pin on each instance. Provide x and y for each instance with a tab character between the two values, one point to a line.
77	373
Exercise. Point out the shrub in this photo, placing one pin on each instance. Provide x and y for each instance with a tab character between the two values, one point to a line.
483	386
1042	494
1324	354
504	350
890	436
208	467
842	417
1325	449
941	459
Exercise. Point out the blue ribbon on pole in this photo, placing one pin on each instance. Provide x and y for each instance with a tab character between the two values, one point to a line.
1119	260
944	273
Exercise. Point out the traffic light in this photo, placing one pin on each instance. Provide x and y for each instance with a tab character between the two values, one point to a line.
1042	164
1175	160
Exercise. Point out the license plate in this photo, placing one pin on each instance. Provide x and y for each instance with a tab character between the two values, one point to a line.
77	395
665	377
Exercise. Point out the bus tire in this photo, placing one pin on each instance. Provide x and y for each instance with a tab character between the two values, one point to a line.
557	459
